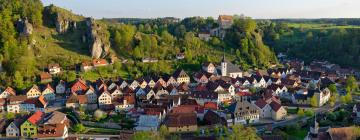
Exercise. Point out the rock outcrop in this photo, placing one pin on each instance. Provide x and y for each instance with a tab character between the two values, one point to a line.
59	18
98	38
64	25
24	27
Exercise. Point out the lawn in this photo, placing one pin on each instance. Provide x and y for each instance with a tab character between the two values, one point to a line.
319	26
292	111
92	130
297	134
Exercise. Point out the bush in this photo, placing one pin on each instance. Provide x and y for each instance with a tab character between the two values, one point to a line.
293	127
79	128
99	114
301	113
309	113
10	116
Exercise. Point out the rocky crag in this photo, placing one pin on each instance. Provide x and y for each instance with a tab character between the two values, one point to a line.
98	38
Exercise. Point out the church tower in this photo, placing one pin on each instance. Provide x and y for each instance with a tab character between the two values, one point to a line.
223	66
314	130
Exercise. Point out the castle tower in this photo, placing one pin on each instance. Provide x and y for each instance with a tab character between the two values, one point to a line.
223	66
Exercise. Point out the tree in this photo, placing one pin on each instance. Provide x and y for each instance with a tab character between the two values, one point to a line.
145	135
351	83
343	100
10	116
164	131
18	80
331	116
301	113
71	76
216	131
197	132
309	112
348	98
99	114
314	101
333	89
332	100
241	133
207	132
79	128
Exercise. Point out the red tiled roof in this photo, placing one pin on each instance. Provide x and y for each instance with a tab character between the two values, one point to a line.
210	105
181	119
99	62
225	17
79	85
183	109
45	75
244	93
48	86
86	63
42	100
55	65
200	87
36	117
261	103
10	90
275	106
82	99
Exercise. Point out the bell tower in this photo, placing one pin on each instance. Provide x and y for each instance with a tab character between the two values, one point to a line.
223	65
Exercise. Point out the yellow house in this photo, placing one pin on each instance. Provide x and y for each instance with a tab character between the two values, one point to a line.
181	76
278	112
33	92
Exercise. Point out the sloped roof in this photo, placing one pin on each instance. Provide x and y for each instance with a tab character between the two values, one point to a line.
181	119
148	120
36	117
10	90
260	103
225	17
275	106
18	98
180	73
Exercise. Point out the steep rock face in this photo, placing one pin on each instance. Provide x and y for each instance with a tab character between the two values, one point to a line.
64	25
59	18
24	27
98	38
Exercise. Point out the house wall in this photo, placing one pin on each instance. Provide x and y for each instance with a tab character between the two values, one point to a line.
12	131
279	115
243	120
265	112
235	75
190	128
72	105
28	130
60	89
33	93
183	80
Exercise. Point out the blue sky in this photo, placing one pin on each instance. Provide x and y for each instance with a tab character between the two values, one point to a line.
205	8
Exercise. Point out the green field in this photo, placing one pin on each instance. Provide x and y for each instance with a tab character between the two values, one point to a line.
320	26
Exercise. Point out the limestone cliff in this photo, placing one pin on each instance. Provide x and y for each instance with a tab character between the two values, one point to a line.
60	18
98	38
24	27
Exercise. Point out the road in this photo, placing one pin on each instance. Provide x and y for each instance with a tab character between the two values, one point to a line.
89	136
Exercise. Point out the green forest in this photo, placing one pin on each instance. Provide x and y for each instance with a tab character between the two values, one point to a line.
30	39
335	40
